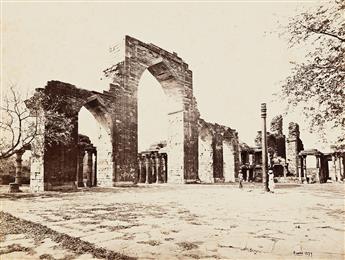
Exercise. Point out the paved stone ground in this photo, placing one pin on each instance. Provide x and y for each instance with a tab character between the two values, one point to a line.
181	222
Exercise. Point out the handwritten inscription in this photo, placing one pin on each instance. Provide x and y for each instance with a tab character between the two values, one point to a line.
301	253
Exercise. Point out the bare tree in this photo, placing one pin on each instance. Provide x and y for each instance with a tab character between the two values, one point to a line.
19	126
318	84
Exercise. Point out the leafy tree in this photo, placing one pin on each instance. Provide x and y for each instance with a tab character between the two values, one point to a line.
19	125
317	85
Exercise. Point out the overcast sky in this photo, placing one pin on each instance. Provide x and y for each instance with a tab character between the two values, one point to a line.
237	58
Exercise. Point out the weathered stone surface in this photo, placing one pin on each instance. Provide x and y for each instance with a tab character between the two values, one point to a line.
205	153
294	146
176	80
218	152
277	125
55	166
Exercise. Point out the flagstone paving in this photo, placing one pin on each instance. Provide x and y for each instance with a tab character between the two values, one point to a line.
188	221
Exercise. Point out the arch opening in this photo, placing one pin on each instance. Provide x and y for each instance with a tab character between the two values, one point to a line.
95	160
161	122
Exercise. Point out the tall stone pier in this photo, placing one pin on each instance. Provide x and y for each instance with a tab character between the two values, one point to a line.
294	145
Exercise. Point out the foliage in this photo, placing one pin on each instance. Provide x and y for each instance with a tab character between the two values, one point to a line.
317	85
21	122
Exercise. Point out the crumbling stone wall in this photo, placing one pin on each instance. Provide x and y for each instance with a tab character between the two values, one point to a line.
55	165
229	163
275	139
205	153
218	152
294	146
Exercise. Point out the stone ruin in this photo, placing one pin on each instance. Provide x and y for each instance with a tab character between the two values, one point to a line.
196	150
192	143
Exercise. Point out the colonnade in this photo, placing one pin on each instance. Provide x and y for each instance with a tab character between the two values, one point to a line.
152	168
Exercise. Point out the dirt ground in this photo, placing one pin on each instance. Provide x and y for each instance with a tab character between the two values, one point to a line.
175	222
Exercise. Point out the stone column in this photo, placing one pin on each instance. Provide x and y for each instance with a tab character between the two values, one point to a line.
164	169
335	175
264	147
18	177
317	168
300	171
305	167
301	168
285	170
147	164
80	167
94	179
341	169
140	169
89	167
251	167
157	167
152	161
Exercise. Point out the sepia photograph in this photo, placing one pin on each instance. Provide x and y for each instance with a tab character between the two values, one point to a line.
186	129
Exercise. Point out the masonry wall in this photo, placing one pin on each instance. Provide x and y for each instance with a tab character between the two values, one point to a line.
228	162
218	153
205	156
293	146
59	161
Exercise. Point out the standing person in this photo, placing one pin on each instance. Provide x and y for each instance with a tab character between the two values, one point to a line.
271	180
240	178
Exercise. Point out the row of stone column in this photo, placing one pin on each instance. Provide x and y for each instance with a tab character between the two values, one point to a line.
90	167
322	171
152	168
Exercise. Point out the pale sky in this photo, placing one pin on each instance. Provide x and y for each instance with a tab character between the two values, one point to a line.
237	59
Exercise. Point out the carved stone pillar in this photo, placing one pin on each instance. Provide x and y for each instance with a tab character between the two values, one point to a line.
335	175
285	169
318	168
164	169
341	169
80	167
301	168
264	147
152	162
304	165
139	169
94	179
18	177
89	167
147	165
157	160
